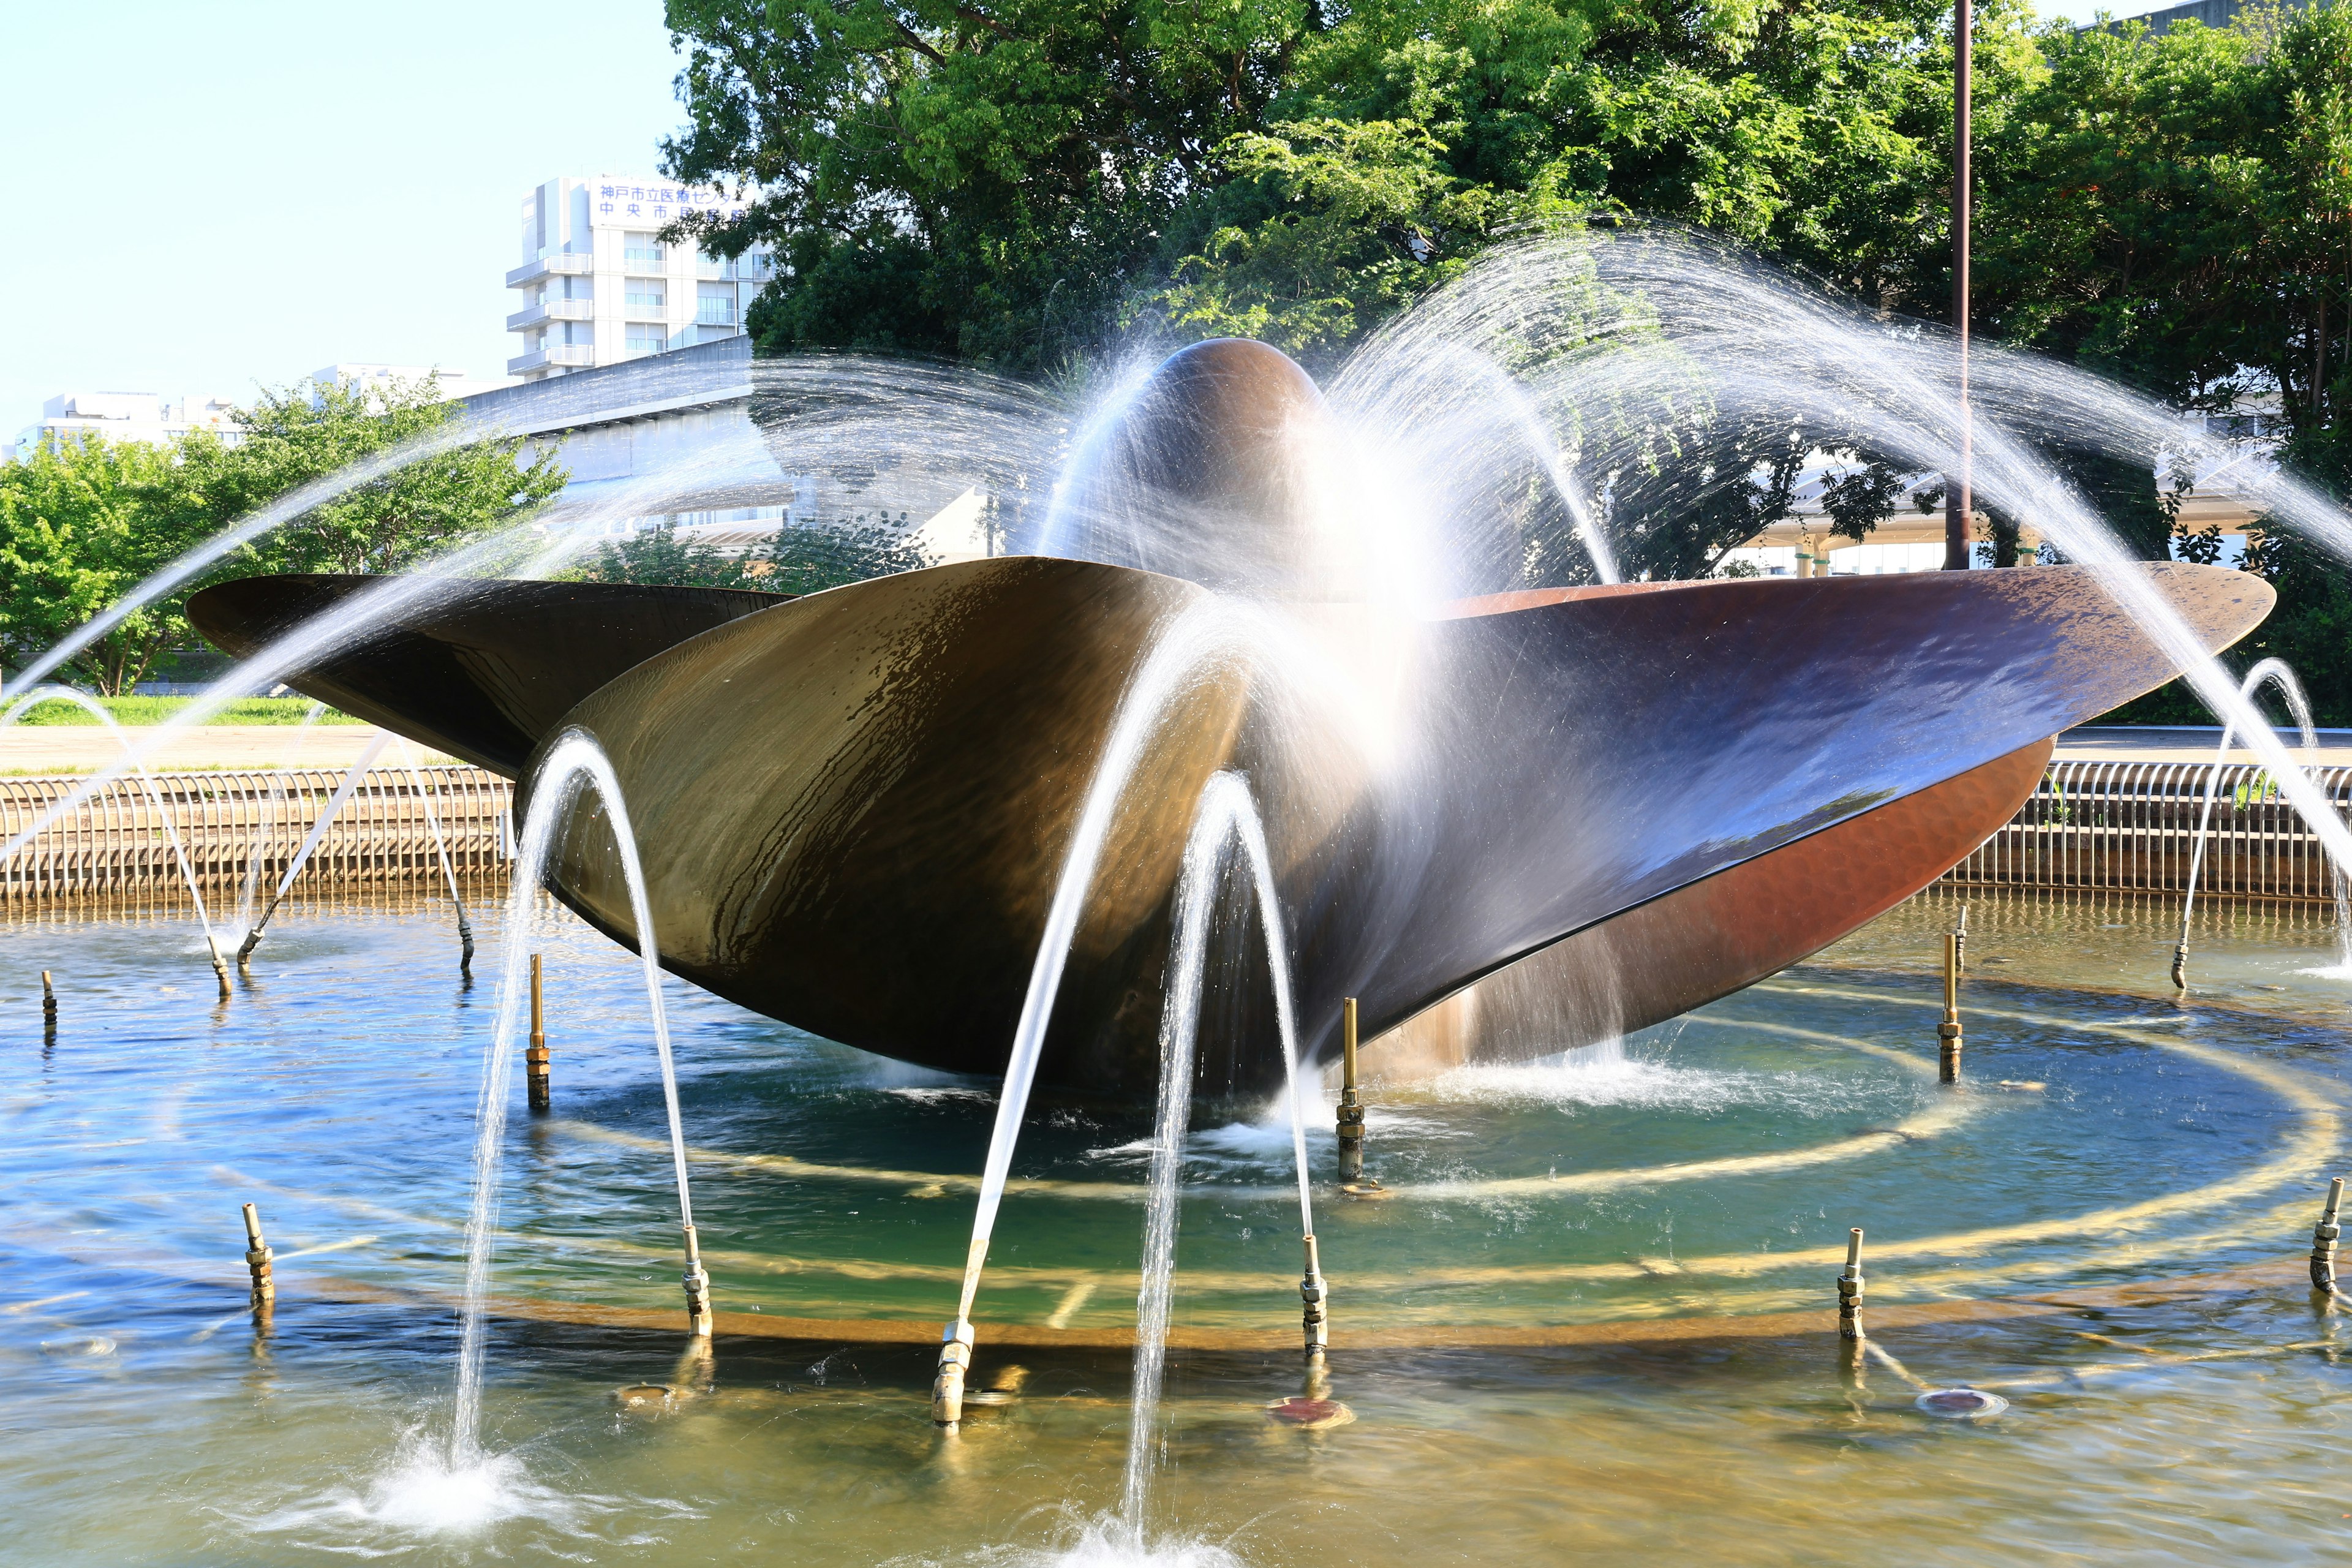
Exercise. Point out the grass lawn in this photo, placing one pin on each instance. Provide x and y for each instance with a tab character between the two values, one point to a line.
156	710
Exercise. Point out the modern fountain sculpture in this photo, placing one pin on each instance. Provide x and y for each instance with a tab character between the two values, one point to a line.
1509	824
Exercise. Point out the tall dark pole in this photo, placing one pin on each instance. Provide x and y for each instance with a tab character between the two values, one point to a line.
1958	502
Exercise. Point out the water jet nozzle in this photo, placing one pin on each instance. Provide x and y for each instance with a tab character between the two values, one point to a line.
2180	966
1317	1297
1849	1287
2323	1240
220	965
955	1361
48	1003
257	1255
535	1057
1947	1033
697	1289
465	945
1351	1107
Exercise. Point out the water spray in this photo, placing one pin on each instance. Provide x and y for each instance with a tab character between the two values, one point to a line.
2324	1236
309	843
1947	1033
2272	670
1351	1109
1961	941
535	1057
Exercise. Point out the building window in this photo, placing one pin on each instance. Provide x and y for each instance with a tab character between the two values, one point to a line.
645	296
715	307
646	340
643	249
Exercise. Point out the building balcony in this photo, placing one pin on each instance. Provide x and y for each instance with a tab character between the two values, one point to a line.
716	313
565	264
753	268
575	355
552	311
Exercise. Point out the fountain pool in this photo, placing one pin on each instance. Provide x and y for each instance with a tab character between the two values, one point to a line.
1489	1316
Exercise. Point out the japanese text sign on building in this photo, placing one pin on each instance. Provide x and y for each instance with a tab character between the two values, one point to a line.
649	204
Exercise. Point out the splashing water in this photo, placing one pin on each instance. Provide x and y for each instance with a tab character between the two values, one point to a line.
441	848
24	701
1182	652
302	856
2279	672
271	805
1226	817
572	762
1682	325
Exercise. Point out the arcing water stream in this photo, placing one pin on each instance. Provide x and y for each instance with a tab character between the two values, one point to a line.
2274	671
572	762
274	802
1225	819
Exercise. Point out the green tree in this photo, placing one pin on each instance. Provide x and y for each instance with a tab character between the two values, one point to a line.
445	495
86	522
798	558
1012	181
74	535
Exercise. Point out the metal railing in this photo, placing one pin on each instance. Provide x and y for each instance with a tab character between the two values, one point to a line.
2132	826
116	840
2120	827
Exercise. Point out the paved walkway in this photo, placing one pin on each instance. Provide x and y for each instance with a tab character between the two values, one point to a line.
85	748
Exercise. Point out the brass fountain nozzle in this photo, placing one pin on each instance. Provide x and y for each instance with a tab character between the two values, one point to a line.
1947	1033
1315	1296
257	1259
2324	1238
698	1317
535	1057
1352	1105
1849	1287
955	1362
49	1001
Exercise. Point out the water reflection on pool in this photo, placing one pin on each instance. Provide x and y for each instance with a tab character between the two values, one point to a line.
1705	1174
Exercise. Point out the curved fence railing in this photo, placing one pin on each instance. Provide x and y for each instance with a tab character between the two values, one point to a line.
115	841
2132	826
2125	827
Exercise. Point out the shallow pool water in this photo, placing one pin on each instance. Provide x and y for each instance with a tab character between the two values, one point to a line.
1701	1178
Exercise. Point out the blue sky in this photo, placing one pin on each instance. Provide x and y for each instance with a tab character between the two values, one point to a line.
212	196
208	196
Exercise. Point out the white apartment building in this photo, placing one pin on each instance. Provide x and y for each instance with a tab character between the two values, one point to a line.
599	287
122	417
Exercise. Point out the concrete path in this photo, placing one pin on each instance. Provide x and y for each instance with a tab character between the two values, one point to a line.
85	748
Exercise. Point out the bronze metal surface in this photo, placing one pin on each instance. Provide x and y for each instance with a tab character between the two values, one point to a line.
853	809
1717	936
1590	808
480	669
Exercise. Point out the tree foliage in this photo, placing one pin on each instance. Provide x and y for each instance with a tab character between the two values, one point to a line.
798	558
85	522
1014	181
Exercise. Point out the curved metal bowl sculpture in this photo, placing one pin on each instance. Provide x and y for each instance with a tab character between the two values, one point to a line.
1560	815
